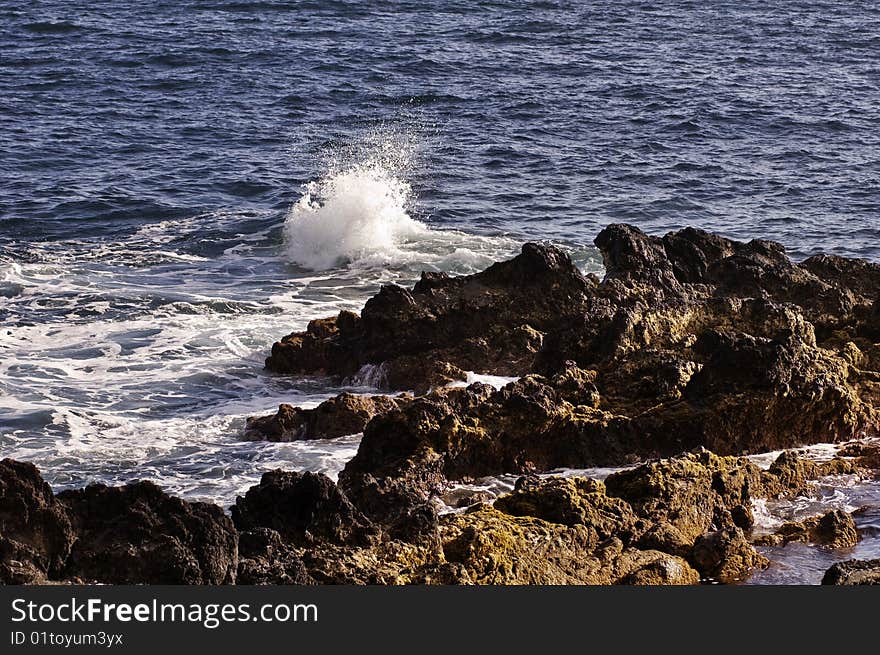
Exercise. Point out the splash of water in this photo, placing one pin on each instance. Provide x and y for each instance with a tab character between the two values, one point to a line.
359	213
356	216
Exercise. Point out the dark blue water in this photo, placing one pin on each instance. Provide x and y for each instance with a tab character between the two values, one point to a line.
751	118
181	183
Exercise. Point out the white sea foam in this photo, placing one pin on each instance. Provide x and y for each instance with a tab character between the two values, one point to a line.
497	381
141	356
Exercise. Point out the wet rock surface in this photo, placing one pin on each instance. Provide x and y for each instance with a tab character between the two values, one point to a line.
677	520
492	321
853	572
835	529
345	414
692	351
690	340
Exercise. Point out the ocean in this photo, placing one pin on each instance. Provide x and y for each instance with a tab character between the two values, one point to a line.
183	183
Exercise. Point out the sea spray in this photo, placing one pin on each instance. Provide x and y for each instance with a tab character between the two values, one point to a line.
358	215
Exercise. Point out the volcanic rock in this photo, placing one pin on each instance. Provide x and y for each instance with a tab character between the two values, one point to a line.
304	508
138	534
835	529
345	414
726	555
491	321
35	530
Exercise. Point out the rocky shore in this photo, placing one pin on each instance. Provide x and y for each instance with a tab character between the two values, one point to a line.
671	521
693	351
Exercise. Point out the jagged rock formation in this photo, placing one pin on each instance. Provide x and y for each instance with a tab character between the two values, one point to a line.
139	534
492	321
35	531
345	414
690	342
670	521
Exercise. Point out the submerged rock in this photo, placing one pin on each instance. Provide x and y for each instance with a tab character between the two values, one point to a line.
853	572
138	534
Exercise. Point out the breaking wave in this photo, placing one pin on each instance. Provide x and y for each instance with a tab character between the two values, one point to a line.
359	215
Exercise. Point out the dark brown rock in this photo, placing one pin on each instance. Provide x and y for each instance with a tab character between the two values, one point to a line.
866	455
492	322
853	572
138	534
35	530
266	559
304	508
345	414
689	340
691	493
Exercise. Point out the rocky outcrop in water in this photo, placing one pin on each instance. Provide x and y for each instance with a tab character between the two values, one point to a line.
690	340
345	414
865	454
671	521
853	572
493	322
835	529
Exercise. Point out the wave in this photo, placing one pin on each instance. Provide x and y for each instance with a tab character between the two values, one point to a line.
355	216
359	216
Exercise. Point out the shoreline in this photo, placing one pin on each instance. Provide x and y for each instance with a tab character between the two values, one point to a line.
690	343
657	523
